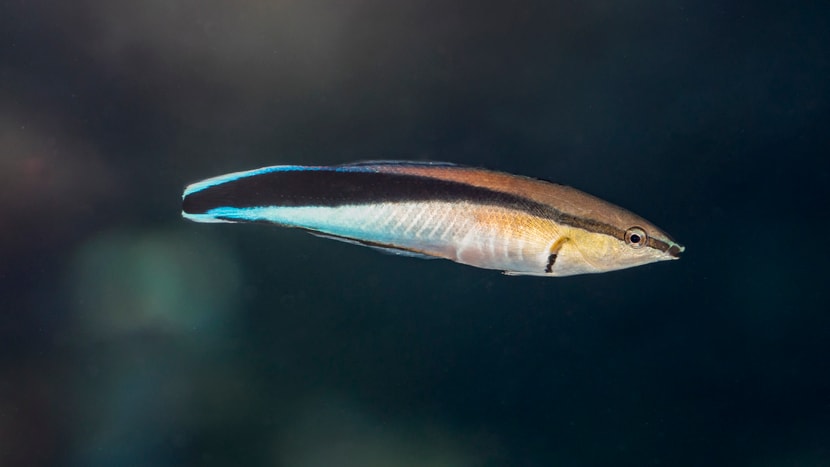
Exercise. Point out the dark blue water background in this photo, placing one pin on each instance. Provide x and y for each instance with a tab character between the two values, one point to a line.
131	337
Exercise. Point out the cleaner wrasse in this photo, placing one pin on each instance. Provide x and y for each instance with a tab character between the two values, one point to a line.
478	217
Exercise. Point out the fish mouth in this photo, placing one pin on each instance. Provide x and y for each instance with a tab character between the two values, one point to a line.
676	250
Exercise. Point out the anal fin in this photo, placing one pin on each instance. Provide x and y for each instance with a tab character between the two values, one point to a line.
383	248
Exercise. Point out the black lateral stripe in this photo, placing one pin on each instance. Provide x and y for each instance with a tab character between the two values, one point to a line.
332	188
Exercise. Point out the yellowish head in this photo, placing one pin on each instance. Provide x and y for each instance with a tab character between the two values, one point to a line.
582	251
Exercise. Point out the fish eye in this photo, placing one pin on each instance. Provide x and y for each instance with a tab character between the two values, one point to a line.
636	237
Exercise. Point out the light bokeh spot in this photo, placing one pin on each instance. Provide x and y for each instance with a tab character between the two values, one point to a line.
162	281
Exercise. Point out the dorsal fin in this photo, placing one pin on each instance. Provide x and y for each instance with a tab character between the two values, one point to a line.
368	165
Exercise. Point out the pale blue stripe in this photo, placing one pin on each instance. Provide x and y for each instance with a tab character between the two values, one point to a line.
204	218
344	221
199	186
241	214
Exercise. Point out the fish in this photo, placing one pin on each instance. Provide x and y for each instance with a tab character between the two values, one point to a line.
473	216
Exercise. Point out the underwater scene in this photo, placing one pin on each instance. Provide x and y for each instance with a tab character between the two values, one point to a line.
370	233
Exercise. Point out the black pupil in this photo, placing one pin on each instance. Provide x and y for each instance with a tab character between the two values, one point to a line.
635	238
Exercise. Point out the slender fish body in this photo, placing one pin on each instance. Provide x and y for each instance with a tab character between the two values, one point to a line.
478	217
